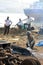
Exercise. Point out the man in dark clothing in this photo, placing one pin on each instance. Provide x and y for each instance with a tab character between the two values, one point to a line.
7	25
30	43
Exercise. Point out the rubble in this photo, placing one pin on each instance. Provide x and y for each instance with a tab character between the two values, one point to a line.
8	58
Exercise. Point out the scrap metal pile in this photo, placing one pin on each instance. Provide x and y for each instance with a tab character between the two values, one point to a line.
8	58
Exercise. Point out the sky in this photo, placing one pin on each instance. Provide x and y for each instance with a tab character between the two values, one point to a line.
15	6
15	9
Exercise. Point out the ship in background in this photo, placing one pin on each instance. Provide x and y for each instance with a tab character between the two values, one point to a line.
36	11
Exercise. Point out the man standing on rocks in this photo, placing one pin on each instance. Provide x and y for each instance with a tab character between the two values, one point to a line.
7	25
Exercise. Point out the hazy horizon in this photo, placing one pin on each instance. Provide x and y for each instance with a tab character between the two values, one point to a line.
15	6
15	9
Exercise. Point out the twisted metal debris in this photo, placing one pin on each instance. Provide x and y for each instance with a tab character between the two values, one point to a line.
7	58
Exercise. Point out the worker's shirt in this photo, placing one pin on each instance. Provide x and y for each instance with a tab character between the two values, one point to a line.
28	20
8	22
30	39
20	23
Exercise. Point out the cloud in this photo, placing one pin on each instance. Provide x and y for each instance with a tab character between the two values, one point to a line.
15	6
37	5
